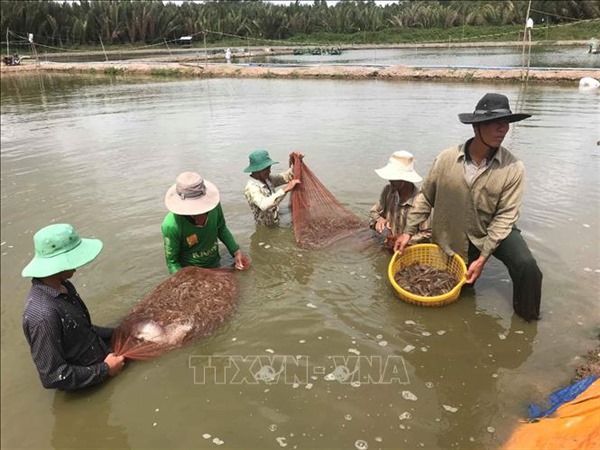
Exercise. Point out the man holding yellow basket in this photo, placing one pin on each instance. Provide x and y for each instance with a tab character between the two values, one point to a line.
476	189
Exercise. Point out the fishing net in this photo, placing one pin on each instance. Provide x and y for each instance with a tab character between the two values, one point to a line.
319	218
189	305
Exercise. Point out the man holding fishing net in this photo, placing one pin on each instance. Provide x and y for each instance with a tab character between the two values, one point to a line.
69	352
261	190
194	225
476	189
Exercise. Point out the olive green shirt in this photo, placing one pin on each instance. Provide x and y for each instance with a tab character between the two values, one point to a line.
483	213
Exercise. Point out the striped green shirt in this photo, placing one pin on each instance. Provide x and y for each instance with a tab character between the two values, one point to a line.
187	244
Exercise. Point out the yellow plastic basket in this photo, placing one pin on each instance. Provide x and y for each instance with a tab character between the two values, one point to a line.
432	255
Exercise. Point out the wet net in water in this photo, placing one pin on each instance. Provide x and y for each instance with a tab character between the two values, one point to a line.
319	219
187	306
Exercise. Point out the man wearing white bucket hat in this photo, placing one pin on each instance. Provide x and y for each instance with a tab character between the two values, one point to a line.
476	189
69	352
195	221
389	214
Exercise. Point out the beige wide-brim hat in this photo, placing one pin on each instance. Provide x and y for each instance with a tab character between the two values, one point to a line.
400	167
191	195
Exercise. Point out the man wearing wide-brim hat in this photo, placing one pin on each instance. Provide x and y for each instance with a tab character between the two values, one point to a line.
261	189
476	189
195	224
69	352
388	215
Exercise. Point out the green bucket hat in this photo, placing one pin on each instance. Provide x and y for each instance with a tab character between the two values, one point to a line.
259	160
58	247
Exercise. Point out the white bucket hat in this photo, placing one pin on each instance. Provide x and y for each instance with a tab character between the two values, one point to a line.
191	195
399	167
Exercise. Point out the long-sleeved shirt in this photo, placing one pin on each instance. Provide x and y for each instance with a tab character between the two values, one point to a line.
264	198
66	348
483	212
395	213
187	244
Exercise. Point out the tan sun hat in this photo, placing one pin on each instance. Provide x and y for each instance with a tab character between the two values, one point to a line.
191	195
400	167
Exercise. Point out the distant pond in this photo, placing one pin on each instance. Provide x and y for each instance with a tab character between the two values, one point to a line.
549	56
478	56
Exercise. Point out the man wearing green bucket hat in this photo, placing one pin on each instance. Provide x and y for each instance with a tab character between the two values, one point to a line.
261	192
69	352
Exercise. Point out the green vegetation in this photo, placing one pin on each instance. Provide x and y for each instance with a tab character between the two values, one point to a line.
114	71
469	33
153	24
163	72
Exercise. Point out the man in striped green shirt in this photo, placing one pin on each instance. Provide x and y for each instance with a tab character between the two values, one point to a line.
476	189
194	225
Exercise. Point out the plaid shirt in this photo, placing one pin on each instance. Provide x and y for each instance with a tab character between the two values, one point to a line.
66	348
395	213
264	198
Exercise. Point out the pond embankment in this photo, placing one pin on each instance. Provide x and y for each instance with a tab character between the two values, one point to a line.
193	63
214	70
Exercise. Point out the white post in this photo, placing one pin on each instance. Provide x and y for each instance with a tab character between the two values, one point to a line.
33	50
7	49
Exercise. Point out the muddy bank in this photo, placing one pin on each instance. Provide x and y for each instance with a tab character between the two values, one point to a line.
212	70
590	367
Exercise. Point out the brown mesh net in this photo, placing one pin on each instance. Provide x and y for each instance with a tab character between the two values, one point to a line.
319	219
189	305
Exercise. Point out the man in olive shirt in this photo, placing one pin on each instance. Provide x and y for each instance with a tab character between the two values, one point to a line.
190	231
476	189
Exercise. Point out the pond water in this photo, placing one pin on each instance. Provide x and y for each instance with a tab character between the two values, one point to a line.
546	56
476	56
100	153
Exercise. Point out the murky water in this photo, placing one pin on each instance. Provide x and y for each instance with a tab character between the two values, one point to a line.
100	153
546	56
424	57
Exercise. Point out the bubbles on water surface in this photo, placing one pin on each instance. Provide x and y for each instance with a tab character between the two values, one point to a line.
409	396
361	445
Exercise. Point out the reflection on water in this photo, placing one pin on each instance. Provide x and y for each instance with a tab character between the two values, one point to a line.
100	153
476	56
82	420
541	56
